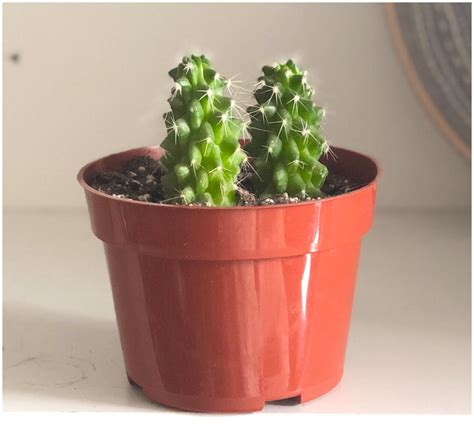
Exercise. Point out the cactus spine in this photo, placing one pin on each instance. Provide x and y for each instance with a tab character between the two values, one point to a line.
286	139
203	154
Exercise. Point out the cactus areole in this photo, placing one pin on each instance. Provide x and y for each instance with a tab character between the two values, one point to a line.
286	137
203	153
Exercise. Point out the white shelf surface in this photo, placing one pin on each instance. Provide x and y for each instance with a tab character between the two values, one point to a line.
409	349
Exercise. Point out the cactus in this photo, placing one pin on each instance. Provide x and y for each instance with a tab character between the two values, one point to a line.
286	139
203	153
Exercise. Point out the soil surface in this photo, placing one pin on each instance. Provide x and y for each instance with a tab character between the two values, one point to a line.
140	179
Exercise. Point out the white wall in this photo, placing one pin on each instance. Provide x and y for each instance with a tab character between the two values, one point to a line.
93	80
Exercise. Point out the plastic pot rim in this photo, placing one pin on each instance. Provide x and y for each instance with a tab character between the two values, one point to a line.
82	181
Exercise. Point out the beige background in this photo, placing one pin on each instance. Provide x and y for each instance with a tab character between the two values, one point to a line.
93	80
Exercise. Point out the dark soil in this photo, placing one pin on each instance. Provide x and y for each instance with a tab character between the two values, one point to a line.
140	179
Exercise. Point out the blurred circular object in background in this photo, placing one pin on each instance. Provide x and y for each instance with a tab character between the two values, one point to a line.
434	43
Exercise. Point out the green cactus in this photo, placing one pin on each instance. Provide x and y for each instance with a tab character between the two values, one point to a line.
203	154
286	139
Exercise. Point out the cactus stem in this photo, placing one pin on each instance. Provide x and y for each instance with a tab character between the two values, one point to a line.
201	119
283	108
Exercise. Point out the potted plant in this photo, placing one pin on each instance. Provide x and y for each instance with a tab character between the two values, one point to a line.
233	265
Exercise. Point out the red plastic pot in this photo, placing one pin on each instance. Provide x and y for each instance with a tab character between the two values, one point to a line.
223	309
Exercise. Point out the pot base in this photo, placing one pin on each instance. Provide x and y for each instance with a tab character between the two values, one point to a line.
201	404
